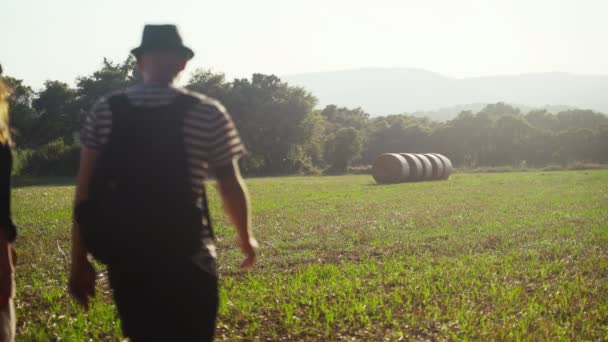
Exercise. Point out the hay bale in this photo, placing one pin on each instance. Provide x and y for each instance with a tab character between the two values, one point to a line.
437	166
447	165
427	167
390	168
416	171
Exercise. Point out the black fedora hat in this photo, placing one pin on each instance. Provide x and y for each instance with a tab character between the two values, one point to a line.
162	38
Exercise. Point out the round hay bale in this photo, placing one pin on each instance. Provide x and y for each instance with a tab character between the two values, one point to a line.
390	168
416	171
427	167
447	165
437	166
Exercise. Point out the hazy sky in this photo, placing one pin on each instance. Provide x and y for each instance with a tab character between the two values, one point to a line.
62	39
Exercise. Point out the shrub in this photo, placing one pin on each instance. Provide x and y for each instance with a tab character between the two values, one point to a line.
20	160
360	170
53	159
586	166
553	167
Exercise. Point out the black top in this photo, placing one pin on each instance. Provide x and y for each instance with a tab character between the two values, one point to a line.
6	165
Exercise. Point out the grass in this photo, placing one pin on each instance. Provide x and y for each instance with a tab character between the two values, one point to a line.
514	256
577	166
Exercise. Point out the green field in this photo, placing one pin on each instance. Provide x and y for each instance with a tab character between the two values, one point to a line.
479	257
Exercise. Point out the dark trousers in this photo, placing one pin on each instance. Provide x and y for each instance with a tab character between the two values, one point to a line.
173	302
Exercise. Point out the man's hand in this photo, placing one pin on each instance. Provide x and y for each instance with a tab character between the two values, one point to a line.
248	248
8	256
236	203
82	281
82	275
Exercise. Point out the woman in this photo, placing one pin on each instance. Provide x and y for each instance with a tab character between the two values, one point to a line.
7	228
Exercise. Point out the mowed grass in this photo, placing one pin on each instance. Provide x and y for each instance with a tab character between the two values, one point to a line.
518	256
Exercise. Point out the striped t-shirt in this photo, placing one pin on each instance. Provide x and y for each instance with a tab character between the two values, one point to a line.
210	136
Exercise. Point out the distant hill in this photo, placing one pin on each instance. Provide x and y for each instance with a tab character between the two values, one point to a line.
391	91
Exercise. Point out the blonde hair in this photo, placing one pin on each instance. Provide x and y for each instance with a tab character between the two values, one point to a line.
5	131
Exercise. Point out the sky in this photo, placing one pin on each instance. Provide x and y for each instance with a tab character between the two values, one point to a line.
64	39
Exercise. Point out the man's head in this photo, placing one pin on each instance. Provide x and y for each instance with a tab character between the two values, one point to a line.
161	55
160	66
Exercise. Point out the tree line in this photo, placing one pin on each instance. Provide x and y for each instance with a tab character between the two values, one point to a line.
285	133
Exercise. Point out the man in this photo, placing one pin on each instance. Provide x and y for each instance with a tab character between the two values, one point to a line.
140	200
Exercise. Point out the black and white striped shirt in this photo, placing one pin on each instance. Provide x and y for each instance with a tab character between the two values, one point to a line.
210	136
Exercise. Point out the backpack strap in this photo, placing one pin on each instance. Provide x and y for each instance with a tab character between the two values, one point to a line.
119	103
182	104
120	107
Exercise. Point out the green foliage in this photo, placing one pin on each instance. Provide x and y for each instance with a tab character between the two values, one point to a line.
110	78
285	134
497	110
20	159
209	83
339	117
397	134
301	162
58	114
273	118
56	158
492	257
341	148
538	138
360	170
313	129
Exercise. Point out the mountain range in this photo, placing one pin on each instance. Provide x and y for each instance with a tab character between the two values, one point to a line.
383	91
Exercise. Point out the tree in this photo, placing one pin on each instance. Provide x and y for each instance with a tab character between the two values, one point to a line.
336	118
467	139
270	116
397	133
580	119
342	148
339	117
57	113
576	145
209	83
110	78
497	110
511	136
600	145
542	119
313	130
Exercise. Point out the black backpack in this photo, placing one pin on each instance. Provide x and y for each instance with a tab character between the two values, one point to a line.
141	207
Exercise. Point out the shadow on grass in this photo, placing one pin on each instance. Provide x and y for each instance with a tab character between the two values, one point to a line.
24	182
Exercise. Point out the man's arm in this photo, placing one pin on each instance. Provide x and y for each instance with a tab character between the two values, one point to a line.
82	277
88	158
236	204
